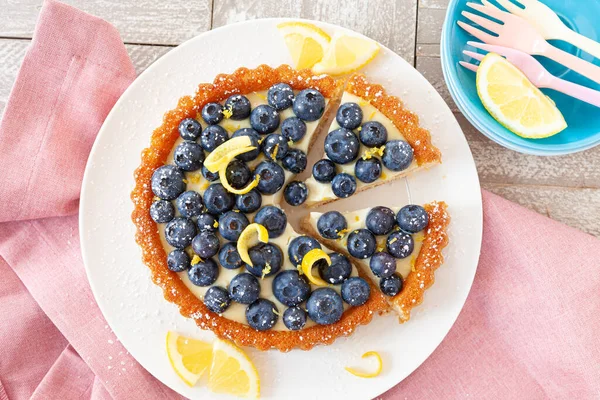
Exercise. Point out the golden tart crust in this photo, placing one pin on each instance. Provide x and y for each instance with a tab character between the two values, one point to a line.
242	81
429	259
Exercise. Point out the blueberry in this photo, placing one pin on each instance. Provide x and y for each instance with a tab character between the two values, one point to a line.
218	200
271	176
272	218
275	146
294	161
238	174
325	306
391	285
244	288
331	224
179	232
209	176
264	119
397	155
368	170
349	116
373	134
299	246
162	211
280	96
361	243
205	273
324	171
341	146
254	138
339	270
239	106
412	218
400	244
355	291
290	288
309	105
212	137
178	260
188	156
294	318
229	257
382	264
293	128
380	220
266	258
190	129
216	299
212	113
295	193
231	225
206	244
248	202
167	182
189	204
343	185
206	222
262	314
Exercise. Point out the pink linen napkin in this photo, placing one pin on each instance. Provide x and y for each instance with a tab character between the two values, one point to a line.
527	330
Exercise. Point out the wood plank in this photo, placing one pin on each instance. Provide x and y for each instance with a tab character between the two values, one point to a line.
391	22
575	207
440	4
12	52
431	68
499	165
429	27
139	21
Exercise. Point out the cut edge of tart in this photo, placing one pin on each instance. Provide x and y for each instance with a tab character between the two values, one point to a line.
374	96
242	81
421	277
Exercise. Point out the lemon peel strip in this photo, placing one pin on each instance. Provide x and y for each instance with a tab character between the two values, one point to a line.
368	374
309	260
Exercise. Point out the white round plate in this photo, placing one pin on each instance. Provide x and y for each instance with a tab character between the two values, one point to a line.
134	306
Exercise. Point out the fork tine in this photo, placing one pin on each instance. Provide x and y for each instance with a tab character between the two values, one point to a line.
506	4
474	55
479	45
472	67
479	34
491	10
481	21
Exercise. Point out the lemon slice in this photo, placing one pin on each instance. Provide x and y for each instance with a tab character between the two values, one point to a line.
309	261
306	42
368	374
346	53
232	372
516	103
248	238
190	358
222	155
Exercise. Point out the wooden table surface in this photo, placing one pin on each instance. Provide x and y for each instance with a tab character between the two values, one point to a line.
565	188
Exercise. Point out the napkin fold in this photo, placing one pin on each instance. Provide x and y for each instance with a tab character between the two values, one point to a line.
527	330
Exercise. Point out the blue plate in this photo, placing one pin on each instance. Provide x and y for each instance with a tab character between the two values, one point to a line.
583	119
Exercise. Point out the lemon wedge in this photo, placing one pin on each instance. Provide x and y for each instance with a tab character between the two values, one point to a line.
368	374
248	238
346	53
222	155
190	358
232	372
514	102
310	260
306	42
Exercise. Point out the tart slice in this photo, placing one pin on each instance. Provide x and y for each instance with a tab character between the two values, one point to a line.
372	140
399	248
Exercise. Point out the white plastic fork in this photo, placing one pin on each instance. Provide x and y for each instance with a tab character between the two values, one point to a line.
517	33
535	72
549	25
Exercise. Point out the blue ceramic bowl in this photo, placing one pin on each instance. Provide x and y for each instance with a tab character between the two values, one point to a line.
583	120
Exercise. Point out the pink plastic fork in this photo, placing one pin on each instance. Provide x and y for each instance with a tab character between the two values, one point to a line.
535	72
517	33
